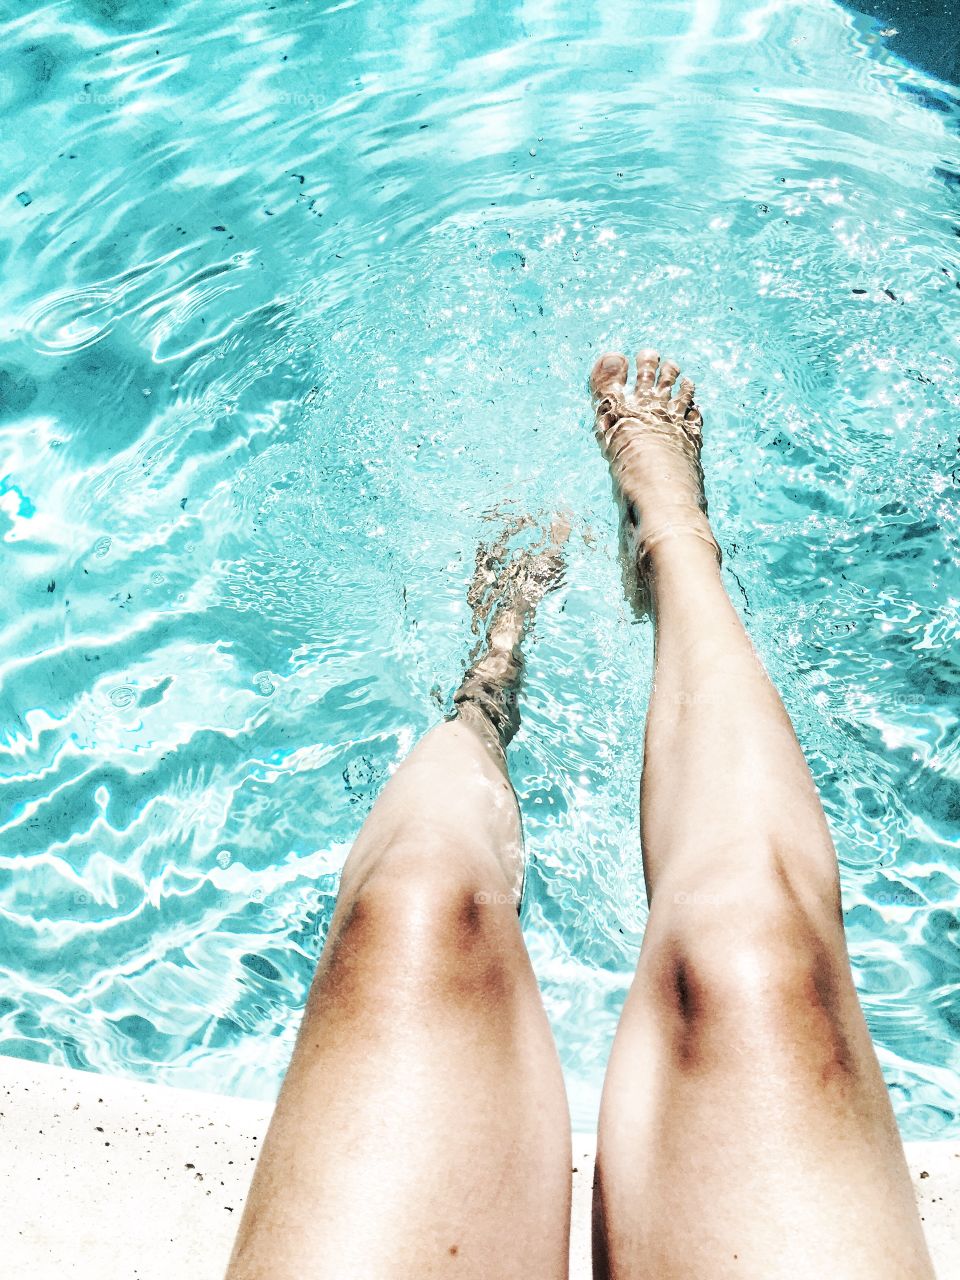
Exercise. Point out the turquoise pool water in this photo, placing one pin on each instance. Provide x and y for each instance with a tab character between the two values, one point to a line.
295	298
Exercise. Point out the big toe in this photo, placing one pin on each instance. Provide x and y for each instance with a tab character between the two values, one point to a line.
609	376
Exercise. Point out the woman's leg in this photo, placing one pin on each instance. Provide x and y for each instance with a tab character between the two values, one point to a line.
422	1129
745	1127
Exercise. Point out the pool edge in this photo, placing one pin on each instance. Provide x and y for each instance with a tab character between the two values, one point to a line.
117	1179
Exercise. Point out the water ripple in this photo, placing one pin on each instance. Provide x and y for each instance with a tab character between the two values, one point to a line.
296	297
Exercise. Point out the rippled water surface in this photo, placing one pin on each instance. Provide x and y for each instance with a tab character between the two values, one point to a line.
296	298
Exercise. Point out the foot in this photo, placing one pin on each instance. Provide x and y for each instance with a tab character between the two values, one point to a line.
504	597
651	439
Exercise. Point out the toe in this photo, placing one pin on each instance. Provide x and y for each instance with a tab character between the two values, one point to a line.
609	376
685	394
560	527
647	361
693	425
668	376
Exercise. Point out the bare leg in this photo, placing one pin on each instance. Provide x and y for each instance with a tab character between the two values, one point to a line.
745	1127
422	1128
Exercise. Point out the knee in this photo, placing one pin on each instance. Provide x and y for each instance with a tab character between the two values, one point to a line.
427	922
765	970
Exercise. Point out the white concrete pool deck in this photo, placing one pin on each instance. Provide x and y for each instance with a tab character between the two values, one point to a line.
108	1178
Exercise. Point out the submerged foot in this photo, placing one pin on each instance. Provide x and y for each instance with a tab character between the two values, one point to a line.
651	437
504	596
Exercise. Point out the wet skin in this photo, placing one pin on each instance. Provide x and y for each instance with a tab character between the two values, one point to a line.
745	1128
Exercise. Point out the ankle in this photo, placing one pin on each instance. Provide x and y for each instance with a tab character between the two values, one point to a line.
683	552
489	708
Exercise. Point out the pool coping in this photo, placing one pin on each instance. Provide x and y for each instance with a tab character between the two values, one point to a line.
111	1178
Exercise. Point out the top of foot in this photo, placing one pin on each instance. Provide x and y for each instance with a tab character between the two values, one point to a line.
651	437
507	587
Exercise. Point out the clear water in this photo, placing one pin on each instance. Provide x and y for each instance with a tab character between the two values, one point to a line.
294	298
